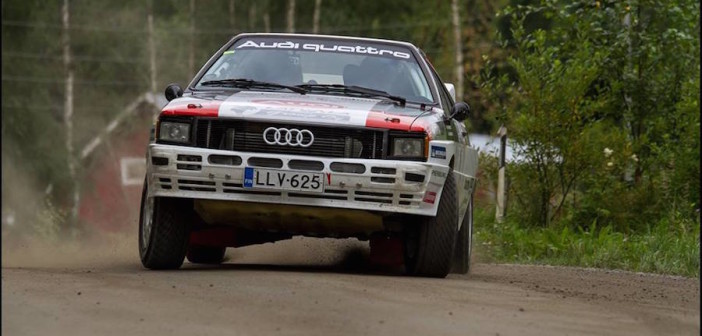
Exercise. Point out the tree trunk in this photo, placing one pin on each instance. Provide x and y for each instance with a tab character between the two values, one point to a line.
458	46
266	21
291	16
191	53
315	18
231	14
252	17
152	47
68	110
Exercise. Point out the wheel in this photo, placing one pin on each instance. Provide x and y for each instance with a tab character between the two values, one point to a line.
429	246
164	229
206	254
464	243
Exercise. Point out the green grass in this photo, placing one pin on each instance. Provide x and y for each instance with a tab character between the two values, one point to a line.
668	247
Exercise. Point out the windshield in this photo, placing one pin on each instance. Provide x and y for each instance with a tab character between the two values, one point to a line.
388	68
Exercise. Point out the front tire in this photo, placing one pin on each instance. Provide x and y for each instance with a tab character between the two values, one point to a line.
164	229
429	247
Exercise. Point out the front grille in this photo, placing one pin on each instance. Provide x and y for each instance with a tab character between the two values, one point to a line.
246	136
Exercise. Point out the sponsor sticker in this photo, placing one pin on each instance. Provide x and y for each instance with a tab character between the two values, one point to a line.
294	110
248	177
438	174
296	103
438	152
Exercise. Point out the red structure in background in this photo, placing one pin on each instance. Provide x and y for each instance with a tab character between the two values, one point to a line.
115	170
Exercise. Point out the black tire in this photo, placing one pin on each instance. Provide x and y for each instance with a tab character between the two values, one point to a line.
429	246
164	245
464	243
206	254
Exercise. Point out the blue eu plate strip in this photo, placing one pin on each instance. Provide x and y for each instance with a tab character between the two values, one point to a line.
248	177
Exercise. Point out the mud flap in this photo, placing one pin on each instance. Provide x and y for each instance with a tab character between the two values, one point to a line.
386	251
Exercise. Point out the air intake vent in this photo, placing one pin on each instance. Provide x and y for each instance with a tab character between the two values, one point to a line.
354	168
306	165
265	162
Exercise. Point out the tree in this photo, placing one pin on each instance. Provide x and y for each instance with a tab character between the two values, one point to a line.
598	101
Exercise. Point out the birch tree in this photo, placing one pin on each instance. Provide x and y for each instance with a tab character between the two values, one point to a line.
252	17
291	16
458	46
68	107
232	12
315	18
191	50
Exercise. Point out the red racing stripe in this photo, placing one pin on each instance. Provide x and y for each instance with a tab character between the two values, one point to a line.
395	122
192	107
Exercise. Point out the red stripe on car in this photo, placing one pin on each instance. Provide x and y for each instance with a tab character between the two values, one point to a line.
393	121
193	108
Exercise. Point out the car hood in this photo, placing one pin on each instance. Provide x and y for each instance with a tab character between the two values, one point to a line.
314	109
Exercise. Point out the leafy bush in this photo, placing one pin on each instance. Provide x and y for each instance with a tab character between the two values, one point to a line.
603	104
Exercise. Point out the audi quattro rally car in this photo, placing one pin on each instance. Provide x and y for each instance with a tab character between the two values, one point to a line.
324	136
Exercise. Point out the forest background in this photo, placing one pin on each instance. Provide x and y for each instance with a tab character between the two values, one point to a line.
600	99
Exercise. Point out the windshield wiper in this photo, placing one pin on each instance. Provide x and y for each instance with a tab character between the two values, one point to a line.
250	83
352	89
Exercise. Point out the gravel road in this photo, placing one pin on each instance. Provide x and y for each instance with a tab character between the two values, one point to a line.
325	287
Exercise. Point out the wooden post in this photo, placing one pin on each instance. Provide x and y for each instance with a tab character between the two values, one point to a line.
458	45
500	206
315	17
291	16
68	110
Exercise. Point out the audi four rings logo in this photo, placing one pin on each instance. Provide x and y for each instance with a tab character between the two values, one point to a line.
288	137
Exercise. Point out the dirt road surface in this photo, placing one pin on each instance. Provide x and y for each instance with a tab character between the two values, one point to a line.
325	287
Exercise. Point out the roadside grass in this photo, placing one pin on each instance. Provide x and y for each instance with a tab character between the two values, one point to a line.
668	247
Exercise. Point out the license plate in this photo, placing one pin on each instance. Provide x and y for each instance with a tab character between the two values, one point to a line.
283	180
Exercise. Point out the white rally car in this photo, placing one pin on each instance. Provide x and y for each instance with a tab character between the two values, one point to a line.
323	136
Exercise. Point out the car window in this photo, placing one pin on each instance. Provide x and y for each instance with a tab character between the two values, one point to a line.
392	69
446	100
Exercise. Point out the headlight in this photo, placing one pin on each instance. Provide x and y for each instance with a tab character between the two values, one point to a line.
408	147
174	131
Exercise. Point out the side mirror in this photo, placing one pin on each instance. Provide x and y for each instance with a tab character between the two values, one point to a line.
173	91
451	90
460	111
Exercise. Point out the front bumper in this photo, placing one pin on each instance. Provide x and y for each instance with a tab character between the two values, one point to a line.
383	186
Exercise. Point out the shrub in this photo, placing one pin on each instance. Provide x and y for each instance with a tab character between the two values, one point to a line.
603	104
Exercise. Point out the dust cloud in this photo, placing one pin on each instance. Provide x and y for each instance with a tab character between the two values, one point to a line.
35	252
111	249
304	251
32	235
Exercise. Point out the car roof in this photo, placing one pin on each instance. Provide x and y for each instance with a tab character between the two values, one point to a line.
333	37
